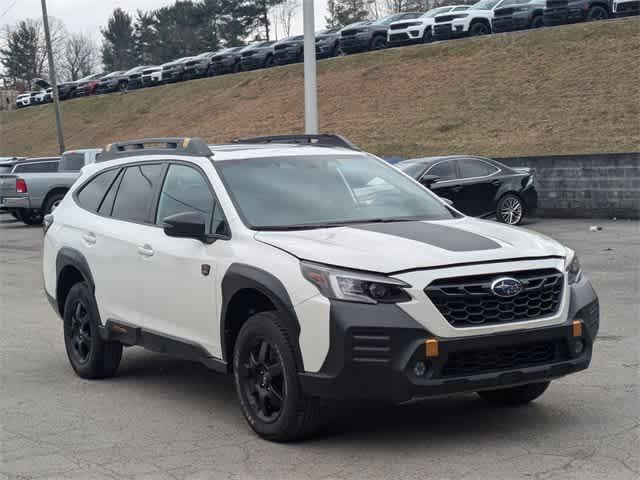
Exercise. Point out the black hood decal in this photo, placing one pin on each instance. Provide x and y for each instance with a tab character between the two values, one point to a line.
441	236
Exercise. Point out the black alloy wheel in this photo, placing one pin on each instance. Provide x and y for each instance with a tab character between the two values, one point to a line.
479	28
597	13
427	37
80	332
262	380
510	210
378	43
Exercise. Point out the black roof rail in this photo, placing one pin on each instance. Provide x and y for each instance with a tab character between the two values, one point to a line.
320	140
148	146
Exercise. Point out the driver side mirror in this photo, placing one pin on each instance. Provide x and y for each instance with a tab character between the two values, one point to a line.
429	180
186	225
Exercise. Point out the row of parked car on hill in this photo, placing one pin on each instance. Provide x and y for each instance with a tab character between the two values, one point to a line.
31	188
440	23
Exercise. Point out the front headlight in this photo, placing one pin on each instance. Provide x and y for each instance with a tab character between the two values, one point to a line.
354	286
573	269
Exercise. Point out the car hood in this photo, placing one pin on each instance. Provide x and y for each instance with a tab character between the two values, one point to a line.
398	246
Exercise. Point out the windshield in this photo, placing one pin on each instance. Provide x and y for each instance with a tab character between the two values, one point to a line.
485	4
321	191
398	16
411	168
435	11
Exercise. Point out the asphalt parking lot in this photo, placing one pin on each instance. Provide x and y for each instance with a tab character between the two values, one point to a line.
162	418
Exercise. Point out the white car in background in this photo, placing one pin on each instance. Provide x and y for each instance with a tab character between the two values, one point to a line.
23	100
622	8
152	76
419	29
472	22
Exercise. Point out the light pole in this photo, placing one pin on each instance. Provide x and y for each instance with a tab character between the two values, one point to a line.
52	77
310	80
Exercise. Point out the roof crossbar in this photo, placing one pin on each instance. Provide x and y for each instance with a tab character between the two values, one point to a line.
148	146
319	140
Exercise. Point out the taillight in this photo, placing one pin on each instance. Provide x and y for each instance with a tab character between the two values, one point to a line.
47	221
21	185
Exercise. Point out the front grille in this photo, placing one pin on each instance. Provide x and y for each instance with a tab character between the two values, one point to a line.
628	7
503	12
400	26
398	37
445	18
469	301
349	33
474	362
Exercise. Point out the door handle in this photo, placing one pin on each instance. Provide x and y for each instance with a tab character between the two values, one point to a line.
146	250
496	183
89	238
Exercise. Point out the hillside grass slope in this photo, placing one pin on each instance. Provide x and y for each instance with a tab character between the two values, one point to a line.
563	90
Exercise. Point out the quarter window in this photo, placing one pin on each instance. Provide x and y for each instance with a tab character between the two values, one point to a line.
37	167
444	170
135	194
92	193
186	190
470	168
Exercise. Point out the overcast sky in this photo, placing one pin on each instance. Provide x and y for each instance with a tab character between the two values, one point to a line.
87	16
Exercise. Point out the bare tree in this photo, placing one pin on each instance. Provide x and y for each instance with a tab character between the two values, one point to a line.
283	15
58	39
79	57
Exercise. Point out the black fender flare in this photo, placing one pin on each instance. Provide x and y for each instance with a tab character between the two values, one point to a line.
239	277
71	257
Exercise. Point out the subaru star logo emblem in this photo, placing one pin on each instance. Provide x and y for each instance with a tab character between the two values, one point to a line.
506	287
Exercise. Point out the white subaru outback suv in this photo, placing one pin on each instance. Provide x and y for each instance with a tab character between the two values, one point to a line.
311	271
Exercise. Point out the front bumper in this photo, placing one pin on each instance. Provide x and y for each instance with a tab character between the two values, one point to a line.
443	31
626	8
374	350
410	36
355	43
252	62
560	16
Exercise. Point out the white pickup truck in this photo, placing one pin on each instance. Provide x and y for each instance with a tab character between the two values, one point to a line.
31	193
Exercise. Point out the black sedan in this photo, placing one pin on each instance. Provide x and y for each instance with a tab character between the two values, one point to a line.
478	186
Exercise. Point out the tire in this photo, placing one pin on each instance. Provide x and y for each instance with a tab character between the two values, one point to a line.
30	217
266	380
123	87
268	62
597	13
378	43
52	202
89	355
479	28
537	22
427	37
510	209
515	396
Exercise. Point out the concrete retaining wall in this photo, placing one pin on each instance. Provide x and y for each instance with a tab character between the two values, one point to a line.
598	185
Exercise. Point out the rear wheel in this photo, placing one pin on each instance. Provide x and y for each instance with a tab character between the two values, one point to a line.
268	62
537	22
30	217
52	202
510	210
90	356
266	380
515	396
597	13
479	28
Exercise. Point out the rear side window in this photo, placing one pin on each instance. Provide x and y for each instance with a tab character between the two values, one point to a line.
184	190
444	170
470	168
93	192
71	162
37	167
6	168
135	194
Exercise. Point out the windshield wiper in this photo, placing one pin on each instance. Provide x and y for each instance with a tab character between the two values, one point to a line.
346	223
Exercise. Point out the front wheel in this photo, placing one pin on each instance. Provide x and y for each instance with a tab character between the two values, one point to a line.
266	381
515	396
90	356
597	13
537	22
268	62
427	37
510	210
479	28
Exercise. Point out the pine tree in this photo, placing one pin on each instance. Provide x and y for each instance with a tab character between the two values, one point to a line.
117	45
144	37
344	12
21	56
